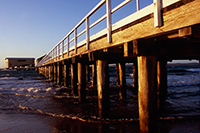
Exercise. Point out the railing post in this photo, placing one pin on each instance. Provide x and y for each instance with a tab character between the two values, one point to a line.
68	46
109	23
58	51
138	5
75	40
63	49
87	34
157	13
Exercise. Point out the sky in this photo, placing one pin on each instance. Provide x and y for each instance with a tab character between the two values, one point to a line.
31	28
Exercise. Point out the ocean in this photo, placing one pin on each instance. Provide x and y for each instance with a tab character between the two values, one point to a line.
32	104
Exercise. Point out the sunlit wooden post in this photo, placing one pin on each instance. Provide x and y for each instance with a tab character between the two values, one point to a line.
74	78
161	82
103	88
59	73
45	71
82	82
135	74
50	72
147	93
94	74
87	73
55	72
117	74
122	79
66	73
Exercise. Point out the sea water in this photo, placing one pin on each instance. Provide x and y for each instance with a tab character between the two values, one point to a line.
31	103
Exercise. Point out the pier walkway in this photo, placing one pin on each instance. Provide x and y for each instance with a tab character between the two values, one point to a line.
163	31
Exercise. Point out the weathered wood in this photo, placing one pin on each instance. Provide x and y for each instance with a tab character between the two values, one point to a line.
94	74
135	74
82	82
173	20
117	74
50	73
59	73
128	49
66	74
122	79
161	82
45	71
74	78
87	73
185	31
103	89
55	72
147	93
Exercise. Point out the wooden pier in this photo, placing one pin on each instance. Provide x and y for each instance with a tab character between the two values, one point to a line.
162	31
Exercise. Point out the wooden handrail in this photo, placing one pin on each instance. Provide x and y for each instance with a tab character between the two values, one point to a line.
153	8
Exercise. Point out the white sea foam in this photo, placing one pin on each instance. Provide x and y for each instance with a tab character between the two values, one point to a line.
193	69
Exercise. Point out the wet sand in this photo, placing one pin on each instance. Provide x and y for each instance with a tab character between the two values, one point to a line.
26	123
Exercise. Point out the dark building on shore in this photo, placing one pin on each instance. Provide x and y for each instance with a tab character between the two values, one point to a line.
19	62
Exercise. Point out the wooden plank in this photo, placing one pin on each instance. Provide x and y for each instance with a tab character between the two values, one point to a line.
185	31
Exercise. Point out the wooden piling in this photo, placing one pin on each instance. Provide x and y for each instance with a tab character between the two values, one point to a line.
82	82
122	79
74	78
147	93
135	74
161	82
55	72
59	73
66	73
117	74
103	89
50	72
94	74
87	73
45	71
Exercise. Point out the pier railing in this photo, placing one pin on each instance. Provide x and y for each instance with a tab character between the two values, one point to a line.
63	47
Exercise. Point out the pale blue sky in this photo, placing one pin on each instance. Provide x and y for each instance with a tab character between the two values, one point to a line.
31	28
